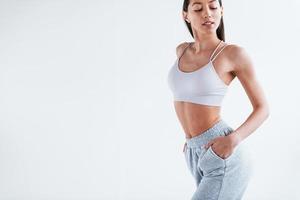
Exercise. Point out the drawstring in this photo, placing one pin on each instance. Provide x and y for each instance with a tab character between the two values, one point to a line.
184	147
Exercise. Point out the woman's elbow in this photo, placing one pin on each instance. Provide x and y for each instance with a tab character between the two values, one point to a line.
266	111
263	109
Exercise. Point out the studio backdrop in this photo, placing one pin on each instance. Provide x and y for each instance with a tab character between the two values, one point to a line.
86	112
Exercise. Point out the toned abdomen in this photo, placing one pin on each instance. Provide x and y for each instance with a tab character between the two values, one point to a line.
195	118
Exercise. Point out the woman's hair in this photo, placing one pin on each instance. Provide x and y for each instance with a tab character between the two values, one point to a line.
220	29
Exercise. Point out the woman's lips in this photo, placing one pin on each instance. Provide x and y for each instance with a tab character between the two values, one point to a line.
205	23
211	24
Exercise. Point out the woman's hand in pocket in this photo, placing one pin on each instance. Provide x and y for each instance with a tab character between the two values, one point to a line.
223	146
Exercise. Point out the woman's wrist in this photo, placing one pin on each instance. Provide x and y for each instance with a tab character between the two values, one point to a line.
235	139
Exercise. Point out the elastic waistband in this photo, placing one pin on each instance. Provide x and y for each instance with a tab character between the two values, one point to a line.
221	128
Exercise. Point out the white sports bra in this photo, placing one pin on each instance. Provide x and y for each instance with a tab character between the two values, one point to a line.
202	86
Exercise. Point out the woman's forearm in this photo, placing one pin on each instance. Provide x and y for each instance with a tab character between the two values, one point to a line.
255	119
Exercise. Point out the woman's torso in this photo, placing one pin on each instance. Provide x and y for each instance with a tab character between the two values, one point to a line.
196	118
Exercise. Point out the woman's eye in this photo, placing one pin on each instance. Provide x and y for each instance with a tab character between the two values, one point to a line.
201	9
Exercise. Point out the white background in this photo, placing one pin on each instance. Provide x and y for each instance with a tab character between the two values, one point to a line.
86	112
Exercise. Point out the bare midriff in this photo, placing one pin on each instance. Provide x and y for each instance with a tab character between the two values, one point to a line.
196	118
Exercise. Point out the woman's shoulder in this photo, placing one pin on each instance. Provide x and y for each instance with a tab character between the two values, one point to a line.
238	55
234	50
180	48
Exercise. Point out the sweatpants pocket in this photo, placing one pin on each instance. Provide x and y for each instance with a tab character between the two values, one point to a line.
214	154
211	164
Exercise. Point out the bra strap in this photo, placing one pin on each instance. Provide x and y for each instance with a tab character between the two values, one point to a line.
184	50
219	52
215	50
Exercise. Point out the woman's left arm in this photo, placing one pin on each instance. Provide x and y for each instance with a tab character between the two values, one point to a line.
244	70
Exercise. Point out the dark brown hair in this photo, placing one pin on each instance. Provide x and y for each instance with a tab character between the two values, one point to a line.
220	29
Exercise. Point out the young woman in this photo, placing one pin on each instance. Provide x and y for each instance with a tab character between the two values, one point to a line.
199	80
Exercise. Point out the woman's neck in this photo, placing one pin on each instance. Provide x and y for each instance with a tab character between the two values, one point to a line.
205	44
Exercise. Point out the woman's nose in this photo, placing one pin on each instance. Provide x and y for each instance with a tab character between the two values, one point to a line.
207	13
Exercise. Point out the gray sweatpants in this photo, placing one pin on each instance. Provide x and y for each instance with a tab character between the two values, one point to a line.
217	178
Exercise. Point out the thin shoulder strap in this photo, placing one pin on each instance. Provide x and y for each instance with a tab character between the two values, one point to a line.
215	50
219	52
184	50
